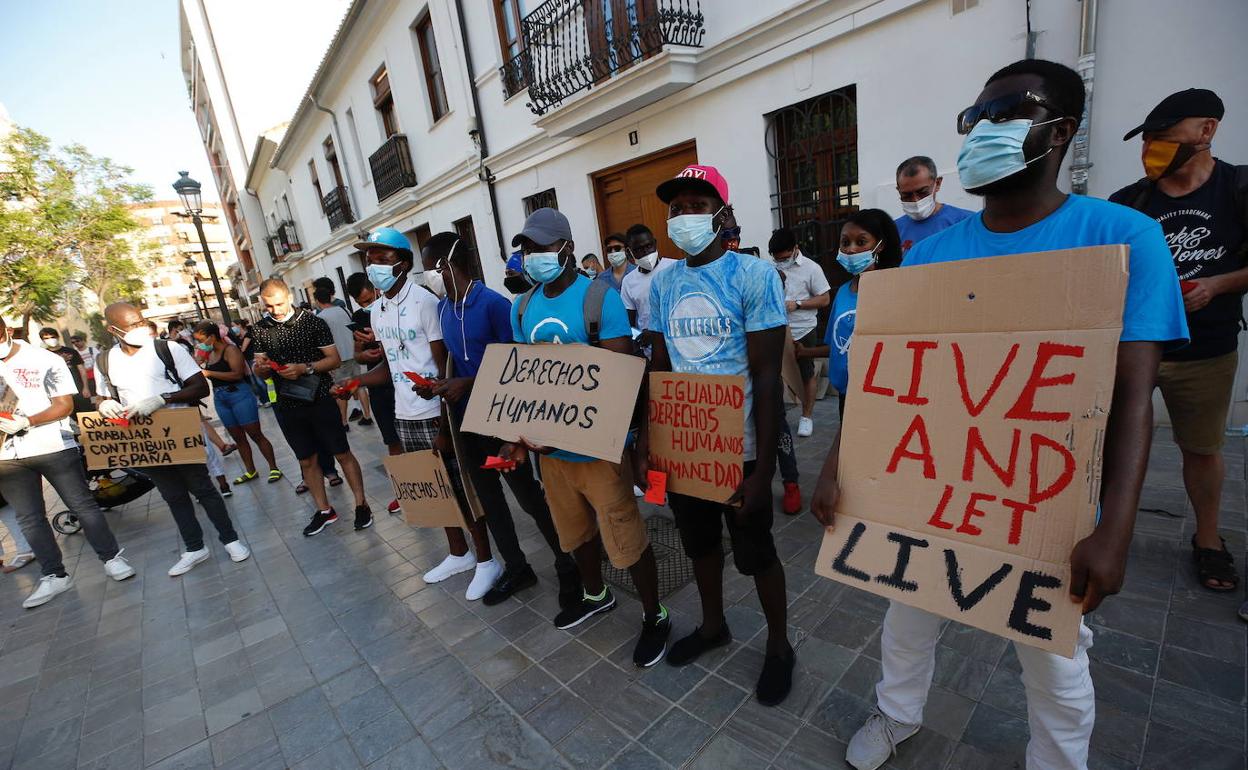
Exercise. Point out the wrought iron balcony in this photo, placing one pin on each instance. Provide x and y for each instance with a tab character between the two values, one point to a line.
337	208
290	238
392	167
571	45
276	250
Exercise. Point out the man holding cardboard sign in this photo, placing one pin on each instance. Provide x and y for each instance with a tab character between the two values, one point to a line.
721	312
1017	132
139	381
591	499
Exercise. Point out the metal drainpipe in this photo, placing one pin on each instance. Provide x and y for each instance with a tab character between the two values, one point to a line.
341	149
484	173
1081	159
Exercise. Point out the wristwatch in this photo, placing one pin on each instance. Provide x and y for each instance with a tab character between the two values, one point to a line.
798	303
310	369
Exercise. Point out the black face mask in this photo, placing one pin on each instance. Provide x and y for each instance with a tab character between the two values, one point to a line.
517	284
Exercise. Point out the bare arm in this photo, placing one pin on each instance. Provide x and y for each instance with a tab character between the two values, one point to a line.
195	388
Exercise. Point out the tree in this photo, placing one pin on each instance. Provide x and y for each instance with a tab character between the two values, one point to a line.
63	215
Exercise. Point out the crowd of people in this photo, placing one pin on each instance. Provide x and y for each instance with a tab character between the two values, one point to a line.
425	315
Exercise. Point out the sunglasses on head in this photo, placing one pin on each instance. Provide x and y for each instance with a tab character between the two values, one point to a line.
1001	109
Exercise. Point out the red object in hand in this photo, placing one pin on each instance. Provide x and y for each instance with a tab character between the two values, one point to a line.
1187	286
656	487
423	382
119	421
275	366
350	386
6	415
496	463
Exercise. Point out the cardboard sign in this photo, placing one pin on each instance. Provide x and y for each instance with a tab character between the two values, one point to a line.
697	432
791	373
423	488
572	397
167	437
970	457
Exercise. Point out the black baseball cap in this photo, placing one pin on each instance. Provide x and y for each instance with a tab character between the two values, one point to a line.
1189	103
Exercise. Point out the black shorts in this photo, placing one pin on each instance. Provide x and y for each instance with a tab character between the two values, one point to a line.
381	397
701	532
312	428
807	365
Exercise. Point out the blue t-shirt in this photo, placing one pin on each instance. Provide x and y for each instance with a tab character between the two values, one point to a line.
561	320
914	230
839	335
484	318
608	275
705	312
1154	305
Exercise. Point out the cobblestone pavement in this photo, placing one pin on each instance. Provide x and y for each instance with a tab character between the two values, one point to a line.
331	652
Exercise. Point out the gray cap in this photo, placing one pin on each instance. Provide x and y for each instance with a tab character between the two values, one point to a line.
545	226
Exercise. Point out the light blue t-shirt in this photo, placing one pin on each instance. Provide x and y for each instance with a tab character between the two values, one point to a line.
839	335
561	320
1154	305
914	230
608	275
705	312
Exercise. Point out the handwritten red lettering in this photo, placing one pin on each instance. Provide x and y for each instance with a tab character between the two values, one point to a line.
975	443
959	361
924	455
938	519
1038	495
919	347
868	385
1025	407
972	511
1016	518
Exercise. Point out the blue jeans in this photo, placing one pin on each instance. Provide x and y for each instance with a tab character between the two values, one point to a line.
236	405
21	483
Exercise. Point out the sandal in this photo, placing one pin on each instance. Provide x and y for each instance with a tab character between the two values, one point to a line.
19	561
246	477
1215	564
299	490
336	481
229	450
227	492
275	475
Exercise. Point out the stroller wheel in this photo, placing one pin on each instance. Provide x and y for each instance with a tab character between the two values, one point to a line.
66	523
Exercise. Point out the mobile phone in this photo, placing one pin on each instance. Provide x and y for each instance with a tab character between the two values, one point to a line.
371	345
358	327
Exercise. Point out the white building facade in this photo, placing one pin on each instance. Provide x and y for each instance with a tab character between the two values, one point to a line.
464	115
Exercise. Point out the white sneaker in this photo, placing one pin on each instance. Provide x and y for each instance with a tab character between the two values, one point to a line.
483	579
237	551
876	741
451	565
188	560
49	586
118	568
805	427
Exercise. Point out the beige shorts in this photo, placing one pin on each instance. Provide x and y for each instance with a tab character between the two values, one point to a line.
347	369
1198	396
592	497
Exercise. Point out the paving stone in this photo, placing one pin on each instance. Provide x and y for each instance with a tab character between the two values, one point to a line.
246	737
593	742
1203	673
335	756
413	755
494	738
558	715
676	736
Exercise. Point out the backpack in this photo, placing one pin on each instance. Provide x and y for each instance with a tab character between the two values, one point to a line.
162	352
591	307
1139	193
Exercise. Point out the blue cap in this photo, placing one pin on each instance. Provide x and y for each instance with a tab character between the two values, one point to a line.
515	262
387	237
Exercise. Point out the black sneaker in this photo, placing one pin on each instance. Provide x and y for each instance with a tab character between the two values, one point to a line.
363	517
689	649
583	610
653	640
365	421
777	679
355	415
571	590
509	583
320	520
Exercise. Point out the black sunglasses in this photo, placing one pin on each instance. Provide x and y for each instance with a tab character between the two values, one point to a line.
1001	109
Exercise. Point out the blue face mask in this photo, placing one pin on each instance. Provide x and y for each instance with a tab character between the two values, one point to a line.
382	276
855	264
543	266
692	233
994	151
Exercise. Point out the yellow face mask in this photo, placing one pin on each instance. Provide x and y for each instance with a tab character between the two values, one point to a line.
1162	158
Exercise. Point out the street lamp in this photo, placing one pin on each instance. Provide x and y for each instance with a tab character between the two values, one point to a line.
189	191
197	291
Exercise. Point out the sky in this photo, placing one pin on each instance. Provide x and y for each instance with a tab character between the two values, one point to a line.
105	74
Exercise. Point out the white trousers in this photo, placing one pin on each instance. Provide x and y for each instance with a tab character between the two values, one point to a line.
9	517
214	460
1061	709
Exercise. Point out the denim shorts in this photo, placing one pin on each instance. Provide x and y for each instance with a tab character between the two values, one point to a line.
236	405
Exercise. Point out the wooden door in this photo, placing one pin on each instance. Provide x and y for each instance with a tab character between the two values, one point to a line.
625	195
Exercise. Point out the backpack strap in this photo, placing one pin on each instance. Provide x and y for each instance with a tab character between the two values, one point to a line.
101	363
522	305
592	309
166	358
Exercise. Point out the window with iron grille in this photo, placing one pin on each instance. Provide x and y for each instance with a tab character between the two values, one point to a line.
543	200
432	66
383	102
813	146
507	15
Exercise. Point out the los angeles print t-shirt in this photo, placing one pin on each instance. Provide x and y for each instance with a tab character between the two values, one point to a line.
705	312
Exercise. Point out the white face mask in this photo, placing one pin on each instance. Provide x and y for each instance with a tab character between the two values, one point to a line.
283	319
617	258
50	343
648	262
6	347
433	279
920	209
138	337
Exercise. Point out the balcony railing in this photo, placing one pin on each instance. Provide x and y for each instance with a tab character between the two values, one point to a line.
289	237
276	250
392	167
571	45
337	208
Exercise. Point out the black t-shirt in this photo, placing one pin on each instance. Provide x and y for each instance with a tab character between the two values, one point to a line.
1205	232
73	359
297	341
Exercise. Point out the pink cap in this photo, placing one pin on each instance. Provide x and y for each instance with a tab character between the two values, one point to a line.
706	179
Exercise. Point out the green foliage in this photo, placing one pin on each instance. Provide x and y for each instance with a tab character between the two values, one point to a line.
63	215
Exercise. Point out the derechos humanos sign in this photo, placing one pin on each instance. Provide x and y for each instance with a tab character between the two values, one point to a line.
971	450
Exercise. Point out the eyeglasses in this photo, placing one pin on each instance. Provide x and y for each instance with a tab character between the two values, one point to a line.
1001	109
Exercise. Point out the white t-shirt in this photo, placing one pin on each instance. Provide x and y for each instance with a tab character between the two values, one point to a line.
337	319
32	377
141	375
803	280
405	325
635	291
